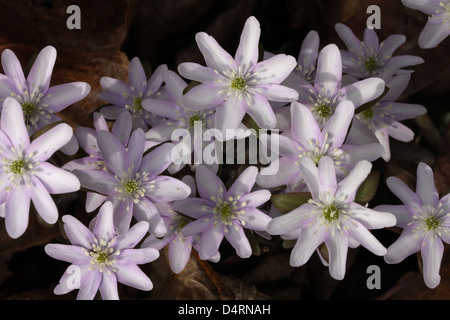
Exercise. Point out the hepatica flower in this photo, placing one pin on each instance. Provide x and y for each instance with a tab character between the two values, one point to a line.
122	96
25	175
327	92
437	27
331	216
132	181
307	139
100	258
38	100
239	85
222	213
425	222
369	58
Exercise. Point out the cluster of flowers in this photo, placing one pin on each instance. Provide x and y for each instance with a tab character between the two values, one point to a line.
335	111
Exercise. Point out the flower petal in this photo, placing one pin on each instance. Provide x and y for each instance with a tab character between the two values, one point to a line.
425	187
104	226
433	34
17	211
275	69
372	219
90	282
230	114
179	253
432	252
247	51
61	96
352	43
168	189
236	237
255	219
304	127
329	69
311	175
13	124
405	194
108	286
209	185
133	236
261	111
43	202
210	242
297	218
113	151
307	243
338	125
406	245
337	249
13	70
199	73
358	232
215	56
131	275
95	180
194	207
349	185
57	180
401	213
244	183
138	256
67	253
44	146
40	73
363	91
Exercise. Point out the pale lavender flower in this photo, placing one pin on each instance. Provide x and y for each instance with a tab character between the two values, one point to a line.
223	213
328	91
437	27
87	138
25	175
425	222
122	96
370	58
132	181
101	258
179	246
331	216
305	138
381	121
39	101
239	85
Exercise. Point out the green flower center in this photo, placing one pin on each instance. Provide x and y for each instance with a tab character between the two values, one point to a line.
182	222
324	111
368	113
137	104
193	119
370	63
432	223
131	186
102	257
238	83
331	213
28	108
17	167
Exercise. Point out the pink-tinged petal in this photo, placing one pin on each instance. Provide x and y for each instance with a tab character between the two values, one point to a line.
371	39
135	150
108	286
349	185
255	219
174	86
352	43
6	87
160	107
138	256
388	46
309	50
57	180
117	101
279	93
41	71
93	201
307	243
404	111
115	86
123	213
61	96
358	232
162	132
236	237
215	56
402	61
272	176
337	249
311	175
261	111
43	202
209	185
156	80
255	199
157	160
113	151
372	219
283	116
13	124
168	189
433	34
71	147
194	207
405	194
244	182
17	211
399	131
95	180
363	91
87	138
406	245
304	127
179	253
339	123
199	73
329	69
77	232
327	174
13	70
210	242
44	146
198	226
230	114
146	211
360	134
90	283
104	226
204	96
275	69
356	153
132	237
432	252
295	219
402	215
122	127
426	6
425	187
67	253
136	75
131	275
247	51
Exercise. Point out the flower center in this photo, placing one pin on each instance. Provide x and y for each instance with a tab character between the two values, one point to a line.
324	111
226	211
331	213
132	187
193	119
238	83
102	254
28	108
137	105
368	113
370	63
17	167
432	223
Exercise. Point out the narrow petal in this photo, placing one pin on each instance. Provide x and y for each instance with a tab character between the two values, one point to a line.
108	286
230	114
433	34
135	150
122	127
352	43
337	249
307	243
179	253
210	242
13	70
363	91
255	219
174	86
327	174
236	237
261	111
57	180
138	256
67	253
388	46
43	202
113	151
371	218
17	211
244	183
61	96
198	226
204	96
131	275
136	75
40	73
157	160
145	210
349	185
271	176
104	227
278	93
311	175
215	56
95	180
13	124
304	127
402	215
199	73
405	194
44	146
357	153
358	232
406	245
432	252
247	51
404	111
428	7
256	198
209	185
425	187
339	123
275	69
77	232
309	50
194	207
132	237
297	218
90	283
115	86
155	81
168	189
403	61
160	107
329	69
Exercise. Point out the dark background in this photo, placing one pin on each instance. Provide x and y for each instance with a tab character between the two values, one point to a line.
162	32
